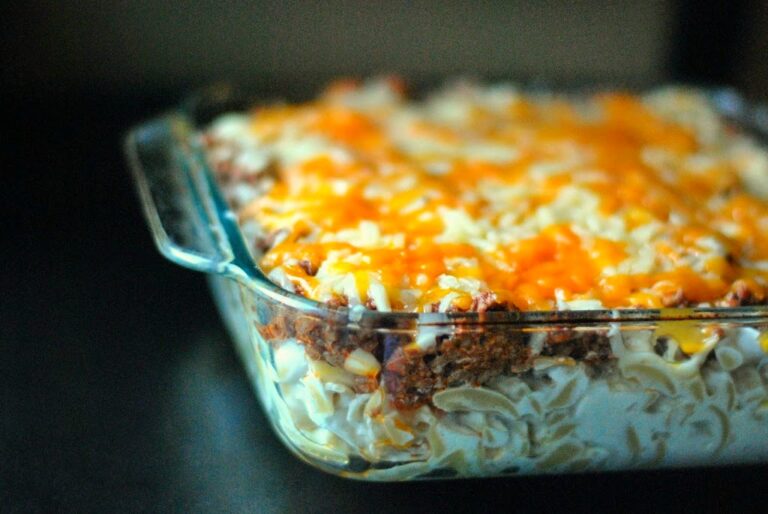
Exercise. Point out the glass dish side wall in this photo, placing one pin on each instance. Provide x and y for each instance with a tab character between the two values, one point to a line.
545	399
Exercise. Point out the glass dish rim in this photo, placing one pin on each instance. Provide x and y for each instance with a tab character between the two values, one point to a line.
751	118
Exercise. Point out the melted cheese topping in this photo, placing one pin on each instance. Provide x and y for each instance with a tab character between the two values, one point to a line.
538	202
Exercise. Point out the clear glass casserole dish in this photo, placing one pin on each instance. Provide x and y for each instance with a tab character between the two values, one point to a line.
604	389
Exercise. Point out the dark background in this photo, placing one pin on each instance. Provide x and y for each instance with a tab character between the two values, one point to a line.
119	390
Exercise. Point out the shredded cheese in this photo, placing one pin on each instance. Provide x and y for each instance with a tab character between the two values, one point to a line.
612	200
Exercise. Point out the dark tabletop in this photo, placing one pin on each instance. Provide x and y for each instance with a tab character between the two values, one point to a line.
120	388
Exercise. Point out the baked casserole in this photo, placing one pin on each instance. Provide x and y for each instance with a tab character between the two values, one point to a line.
488	281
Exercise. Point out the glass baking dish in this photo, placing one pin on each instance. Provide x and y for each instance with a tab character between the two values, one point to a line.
607	389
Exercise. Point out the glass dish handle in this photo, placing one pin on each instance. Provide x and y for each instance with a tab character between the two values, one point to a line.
174	197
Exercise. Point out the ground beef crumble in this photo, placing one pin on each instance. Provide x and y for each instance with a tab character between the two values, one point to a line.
473	357
472	354
588	346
